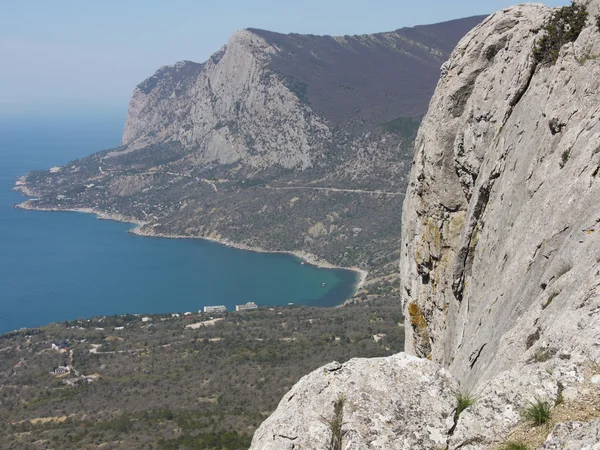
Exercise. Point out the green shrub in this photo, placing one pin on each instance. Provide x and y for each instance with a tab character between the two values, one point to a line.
565	158
538	412
565	26
542	355
513	445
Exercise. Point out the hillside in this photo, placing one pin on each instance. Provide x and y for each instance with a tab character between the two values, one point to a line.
499	265
282	142
165	382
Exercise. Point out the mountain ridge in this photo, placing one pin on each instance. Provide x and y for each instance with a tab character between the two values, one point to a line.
234	150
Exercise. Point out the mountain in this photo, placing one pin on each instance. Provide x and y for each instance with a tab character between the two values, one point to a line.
500	279
282	142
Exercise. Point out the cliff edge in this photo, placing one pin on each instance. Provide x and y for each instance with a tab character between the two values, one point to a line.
500	274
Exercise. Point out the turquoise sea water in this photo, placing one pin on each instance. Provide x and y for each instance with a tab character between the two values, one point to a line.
58	266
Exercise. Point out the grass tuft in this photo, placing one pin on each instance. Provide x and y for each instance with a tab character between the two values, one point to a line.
463	401
538	412
336	423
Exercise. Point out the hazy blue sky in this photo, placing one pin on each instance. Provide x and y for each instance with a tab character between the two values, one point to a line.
78	54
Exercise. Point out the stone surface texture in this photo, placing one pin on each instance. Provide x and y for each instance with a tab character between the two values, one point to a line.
399	402
501	238
574	436
500	264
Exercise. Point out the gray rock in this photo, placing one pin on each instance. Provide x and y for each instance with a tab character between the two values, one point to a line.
399	402
574	436
501	231
500	251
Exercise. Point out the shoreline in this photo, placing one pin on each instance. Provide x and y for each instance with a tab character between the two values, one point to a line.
139	231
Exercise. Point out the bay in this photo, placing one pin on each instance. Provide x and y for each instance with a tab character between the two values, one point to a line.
57	266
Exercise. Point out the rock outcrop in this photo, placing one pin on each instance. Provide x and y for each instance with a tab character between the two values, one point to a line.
500	237
500	273
416	413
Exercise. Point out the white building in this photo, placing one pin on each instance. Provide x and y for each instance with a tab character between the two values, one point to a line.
215	309
247	307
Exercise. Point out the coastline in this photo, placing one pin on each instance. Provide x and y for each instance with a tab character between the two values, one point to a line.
140	231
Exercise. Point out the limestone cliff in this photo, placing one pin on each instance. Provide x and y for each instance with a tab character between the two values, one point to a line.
500	238
268	99
500	276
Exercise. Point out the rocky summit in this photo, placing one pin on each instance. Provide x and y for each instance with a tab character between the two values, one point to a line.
500	273
282	142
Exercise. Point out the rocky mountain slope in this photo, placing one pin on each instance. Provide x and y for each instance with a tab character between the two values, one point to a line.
284	142
500	276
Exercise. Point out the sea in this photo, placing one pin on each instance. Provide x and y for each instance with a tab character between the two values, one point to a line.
58	266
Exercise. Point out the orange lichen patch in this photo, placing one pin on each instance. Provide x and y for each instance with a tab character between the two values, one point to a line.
417	319
421	340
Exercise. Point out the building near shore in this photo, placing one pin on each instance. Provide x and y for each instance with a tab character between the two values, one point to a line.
247	307
215	309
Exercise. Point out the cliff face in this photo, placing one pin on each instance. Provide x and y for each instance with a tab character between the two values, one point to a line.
228	109
500	237
500	276
268	99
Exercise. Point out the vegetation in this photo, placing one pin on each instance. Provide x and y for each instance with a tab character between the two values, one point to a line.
463	401
565	158
164	385
542	355
513	445
298	88
336	423
533	338
406	126
538	411
565	26
230	440
273	209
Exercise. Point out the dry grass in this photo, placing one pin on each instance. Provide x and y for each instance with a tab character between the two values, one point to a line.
583	409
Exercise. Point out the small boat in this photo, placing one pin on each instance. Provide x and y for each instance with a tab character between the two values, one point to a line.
323	284
302	263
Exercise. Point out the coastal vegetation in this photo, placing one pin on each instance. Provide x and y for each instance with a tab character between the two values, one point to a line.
155	382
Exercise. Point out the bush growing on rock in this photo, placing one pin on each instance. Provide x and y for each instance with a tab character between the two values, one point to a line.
565	26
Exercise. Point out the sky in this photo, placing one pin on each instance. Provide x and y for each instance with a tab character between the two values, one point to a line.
80	55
